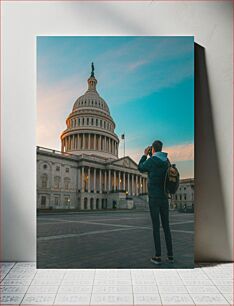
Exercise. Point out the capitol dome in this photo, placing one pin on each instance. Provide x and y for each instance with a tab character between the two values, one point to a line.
90	127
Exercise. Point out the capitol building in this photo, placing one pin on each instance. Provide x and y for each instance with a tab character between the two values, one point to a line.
87	173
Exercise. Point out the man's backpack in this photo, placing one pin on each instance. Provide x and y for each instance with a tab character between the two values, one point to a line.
172	179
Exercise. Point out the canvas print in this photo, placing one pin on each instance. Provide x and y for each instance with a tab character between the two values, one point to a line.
115	152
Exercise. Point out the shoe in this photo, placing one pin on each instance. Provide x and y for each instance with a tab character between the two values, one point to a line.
156	260
170	259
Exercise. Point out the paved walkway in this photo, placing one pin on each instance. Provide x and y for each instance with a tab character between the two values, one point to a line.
109	240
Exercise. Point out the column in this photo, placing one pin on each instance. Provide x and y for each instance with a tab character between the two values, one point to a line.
114	180
83	141
89	179
94	180
105	180
79	179
94	141
109	180
100	181
119	181
128	184
124	181
133	191
140	184
74	142
137	186
100	142
78	144
82	179
104	143
89	142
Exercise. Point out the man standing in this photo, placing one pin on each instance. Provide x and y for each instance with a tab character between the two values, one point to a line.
156	166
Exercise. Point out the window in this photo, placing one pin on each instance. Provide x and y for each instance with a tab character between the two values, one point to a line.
67	201
44	166
57	180
79	121
185	197
96	122
87	121
44	180
67	170
56	201
104	124
43	201
101	123
92	121
66	183
82	121
57	168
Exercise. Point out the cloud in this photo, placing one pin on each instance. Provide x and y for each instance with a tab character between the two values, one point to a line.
54	103
180	152
182	155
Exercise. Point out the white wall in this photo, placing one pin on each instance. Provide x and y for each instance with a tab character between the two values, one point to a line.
211	24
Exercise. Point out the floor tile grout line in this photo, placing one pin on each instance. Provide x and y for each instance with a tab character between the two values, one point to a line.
186	286
94	276
217	287
28	287
157	287
133	298
14	263
58	288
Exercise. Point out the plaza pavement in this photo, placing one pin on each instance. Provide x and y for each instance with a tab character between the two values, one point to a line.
109	239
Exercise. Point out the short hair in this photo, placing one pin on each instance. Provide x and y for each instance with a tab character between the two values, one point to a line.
157	145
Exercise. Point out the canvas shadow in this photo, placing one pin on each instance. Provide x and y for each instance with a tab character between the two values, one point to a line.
212	243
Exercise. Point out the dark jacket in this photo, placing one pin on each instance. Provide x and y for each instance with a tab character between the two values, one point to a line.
156	169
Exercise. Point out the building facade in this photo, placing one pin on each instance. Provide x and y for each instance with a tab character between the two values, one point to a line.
87	174
183	199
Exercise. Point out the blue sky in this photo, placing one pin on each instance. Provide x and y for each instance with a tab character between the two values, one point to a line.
148	83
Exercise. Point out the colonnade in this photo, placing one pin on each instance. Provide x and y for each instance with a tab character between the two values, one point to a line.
103	181
89	141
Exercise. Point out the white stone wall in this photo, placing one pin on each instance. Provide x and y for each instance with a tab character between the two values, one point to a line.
58	172
184	197
93	184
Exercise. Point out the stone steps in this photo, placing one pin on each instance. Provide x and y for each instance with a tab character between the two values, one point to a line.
139	203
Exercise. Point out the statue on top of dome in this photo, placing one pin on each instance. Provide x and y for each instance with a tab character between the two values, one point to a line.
92	73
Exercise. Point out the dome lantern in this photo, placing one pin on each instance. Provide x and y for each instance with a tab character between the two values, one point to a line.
92	82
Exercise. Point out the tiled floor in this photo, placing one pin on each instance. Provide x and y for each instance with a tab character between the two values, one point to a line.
207	284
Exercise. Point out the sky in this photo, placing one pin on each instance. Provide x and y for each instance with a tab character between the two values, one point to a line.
147	82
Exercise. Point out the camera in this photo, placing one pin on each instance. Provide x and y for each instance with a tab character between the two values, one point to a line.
150	151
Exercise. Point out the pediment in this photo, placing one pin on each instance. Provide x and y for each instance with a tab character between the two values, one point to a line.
125	162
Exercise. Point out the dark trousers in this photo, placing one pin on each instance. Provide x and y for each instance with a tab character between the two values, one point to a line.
160	207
